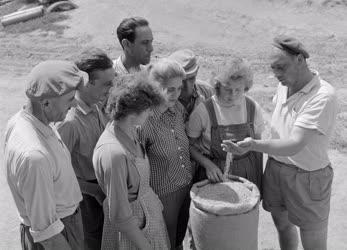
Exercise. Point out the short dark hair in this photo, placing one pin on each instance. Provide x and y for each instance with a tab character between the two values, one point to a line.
126	29
92	59
133	93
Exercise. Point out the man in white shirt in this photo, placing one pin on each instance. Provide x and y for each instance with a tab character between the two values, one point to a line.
298	176
135	36
39	171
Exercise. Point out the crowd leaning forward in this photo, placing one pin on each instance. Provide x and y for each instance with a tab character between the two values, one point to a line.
104	153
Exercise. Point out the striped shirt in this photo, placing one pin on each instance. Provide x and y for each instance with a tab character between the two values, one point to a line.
120	68
167	146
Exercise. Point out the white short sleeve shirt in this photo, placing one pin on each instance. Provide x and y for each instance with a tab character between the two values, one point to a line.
313	107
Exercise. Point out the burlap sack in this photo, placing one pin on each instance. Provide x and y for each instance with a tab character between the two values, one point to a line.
225	215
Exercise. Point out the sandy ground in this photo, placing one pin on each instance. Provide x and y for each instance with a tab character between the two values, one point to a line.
216	32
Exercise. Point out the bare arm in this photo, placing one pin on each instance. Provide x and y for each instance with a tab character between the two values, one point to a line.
212	171
298	139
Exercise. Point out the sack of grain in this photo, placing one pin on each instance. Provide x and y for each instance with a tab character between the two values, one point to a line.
225	215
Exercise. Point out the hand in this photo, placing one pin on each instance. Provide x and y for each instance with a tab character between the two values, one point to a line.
99	196
238	148
214	174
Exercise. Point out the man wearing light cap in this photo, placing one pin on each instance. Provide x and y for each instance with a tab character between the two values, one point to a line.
298	175
38	164
193	91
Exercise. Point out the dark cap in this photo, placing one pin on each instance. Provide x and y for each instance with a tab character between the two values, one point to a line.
54	78
290	45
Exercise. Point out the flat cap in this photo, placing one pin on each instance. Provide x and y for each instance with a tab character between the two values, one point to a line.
188	60
53	78
290	45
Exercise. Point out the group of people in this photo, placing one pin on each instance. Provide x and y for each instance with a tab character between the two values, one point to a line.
104	153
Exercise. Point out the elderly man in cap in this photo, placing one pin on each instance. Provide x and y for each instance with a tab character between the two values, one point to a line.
193	91
135	36
298	176
38	164
80	132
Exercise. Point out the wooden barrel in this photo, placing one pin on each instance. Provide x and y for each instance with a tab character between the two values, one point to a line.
225	216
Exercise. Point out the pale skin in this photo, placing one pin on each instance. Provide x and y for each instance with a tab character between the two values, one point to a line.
139	51
128	126
172	88
230	94
188	87
92	92
291	71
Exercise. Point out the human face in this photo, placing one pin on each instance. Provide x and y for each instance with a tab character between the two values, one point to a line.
99	85
188	86
173	89
232	93
284	67
57	108
142	48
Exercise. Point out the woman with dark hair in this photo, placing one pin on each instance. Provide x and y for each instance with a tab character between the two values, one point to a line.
133	212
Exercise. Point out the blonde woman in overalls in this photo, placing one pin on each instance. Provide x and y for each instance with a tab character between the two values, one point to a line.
133	212
228	114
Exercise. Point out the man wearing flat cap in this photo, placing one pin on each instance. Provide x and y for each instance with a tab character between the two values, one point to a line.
39	171
298	175
193	91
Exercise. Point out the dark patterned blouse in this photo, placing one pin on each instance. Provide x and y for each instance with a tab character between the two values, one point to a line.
167	146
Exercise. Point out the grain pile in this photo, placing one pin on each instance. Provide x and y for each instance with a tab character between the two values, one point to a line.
227	198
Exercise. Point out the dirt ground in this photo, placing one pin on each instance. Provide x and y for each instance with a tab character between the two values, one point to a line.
217	31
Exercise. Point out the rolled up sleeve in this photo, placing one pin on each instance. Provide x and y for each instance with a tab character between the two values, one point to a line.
35	181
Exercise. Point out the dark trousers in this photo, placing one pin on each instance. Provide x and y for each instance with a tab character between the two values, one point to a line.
72	232
176	215
93	221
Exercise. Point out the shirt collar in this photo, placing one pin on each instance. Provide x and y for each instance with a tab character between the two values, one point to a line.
309	86
83	107
121	65
170	111
45	130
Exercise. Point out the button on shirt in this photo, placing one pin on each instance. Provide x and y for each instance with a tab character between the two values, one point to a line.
40	175
313	107
80	132
167	146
